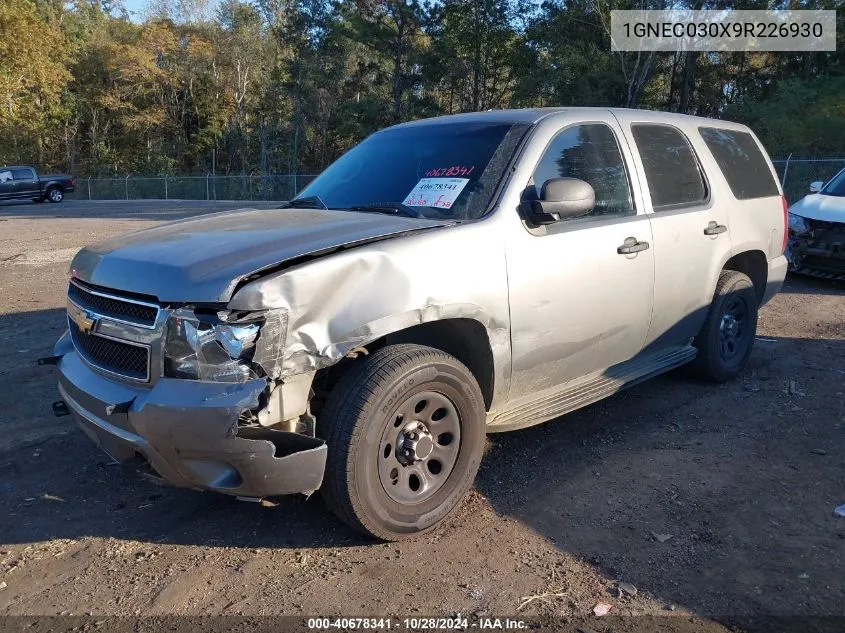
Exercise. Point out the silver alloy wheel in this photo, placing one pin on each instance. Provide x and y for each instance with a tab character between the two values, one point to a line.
55	194
419	447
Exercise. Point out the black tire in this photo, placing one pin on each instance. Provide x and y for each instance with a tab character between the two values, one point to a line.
727	336
359	418
55	193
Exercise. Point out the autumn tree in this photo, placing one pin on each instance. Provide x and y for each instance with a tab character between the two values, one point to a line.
33	76
253	87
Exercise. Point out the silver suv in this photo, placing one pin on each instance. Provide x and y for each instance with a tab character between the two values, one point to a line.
444	279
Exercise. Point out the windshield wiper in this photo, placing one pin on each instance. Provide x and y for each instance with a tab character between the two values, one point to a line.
396	208
308	202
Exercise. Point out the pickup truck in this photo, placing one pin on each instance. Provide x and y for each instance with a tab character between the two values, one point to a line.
443	279
23	182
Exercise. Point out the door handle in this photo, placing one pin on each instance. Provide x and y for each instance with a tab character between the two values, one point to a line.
714	229
632	245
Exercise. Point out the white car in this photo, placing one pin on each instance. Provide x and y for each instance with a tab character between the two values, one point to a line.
817	230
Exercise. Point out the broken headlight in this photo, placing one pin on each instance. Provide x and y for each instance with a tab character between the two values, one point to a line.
205	347
797	224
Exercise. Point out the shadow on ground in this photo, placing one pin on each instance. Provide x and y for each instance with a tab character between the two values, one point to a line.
804	285
41	454
715	497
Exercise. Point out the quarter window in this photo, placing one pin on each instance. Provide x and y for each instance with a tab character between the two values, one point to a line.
741	161
590	153
671	168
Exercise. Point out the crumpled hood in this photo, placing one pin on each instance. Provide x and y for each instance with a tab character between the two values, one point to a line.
202	259
820	207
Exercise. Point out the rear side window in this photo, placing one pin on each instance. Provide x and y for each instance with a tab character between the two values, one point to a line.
741	161
23	174
672	171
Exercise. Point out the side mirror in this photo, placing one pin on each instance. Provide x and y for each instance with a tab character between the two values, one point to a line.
816	186
561	198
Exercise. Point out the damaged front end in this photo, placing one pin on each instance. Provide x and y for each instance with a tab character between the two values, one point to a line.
210	411
817	248
215	390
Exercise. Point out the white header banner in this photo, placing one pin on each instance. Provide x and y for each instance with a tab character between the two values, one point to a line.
725	30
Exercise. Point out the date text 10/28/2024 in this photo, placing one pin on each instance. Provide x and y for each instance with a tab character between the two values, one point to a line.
457	623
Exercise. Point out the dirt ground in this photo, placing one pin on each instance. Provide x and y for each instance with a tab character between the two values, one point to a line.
714	501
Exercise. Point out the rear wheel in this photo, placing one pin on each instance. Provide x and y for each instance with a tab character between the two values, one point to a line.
55	194
727	336
405	433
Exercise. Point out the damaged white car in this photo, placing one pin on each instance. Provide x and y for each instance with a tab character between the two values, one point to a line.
817	231
444	279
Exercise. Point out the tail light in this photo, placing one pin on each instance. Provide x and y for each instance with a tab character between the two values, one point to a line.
785	224
73	182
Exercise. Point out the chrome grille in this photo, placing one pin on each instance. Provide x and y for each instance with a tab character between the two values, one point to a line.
110	355
121	309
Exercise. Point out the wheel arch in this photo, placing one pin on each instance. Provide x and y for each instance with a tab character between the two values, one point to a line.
464	338
754	264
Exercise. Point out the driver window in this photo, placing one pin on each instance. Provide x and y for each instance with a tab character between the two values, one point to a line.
590	153
22	174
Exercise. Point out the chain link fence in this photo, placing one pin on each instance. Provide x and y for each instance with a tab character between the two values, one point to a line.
278	187
795	175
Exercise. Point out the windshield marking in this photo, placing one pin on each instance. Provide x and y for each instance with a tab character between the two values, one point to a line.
454	170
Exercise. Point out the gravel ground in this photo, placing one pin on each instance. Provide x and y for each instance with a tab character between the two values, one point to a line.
714	501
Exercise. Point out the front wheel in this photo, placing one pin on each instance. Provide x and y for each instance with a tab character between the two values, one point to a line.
55	194
727	336
405	433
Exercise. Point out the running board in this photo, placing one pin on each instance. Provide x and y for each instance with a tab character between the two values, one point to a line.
589	389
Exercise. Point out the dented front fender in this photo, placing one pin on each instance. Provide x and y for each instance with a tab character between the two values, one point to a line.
348	299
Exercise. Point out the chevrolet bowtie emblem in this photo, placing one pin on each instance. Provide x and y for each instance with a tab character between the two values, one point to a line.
85	321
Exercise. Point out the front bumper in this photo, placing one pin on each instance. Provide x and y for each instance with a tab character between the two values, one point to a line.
814	261
818	249
188	431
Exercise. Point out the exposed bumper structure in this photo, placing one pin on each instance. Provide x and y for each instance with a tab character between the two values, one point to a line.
819	252
188	431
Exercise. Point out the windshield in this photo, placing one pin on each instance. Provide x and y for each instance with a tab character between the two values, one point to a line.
441	170
836	187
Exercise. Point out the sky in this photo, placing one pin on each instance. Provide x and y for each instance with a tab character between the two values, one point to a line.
134	5
136	8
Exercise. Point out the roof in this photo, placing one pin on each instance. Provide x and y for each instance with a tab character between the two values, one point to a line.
527	115
534	115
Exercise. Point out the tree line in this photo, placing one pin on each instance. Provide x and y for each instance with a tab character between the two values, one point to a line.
285	86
